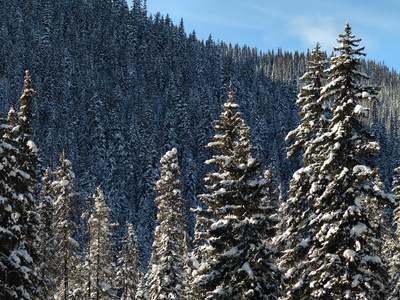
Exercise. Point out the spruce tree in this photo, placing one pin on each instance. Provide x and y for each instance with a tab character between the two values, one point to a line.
19	221
63	191
298	211
9	237
313	120
238	260
129	266
99	270
342	241
48	269
395	248
167	275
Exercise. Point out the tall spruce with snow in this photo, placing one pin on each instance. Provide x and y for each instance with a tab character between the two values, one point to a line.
48	269
313	120
129	272
9	234
238	260
63	192
345	259
395	261
298	211
99	271
167	275
19	222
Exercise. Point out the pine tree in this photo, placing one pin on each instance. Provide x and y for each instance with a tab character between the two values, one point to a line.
167	277
19	254
129	266
342	238
99	270
238	261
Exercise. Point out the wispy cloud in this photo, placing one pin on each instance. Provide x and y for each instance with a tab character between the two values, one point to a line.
312	30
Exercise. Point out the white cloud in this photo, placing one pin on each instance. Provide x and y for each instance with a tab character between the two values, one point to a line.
310	30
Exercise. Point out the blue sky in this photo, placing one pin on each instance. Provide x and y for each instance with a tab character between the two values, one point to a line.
291	24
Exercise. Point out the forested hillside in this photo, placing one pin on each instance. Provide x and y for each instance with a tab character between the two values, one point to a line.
118	88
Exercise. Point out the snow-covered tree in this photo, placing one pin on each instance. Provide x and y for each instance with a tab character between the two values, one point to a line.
298	211
395	260
48	269
129	272
99	270
238	260
341	239
9	237
19	223
313	121
167	275
63	192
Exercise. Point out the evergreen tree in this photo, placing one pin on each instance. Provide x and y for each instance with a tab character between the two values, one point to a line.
167	277
395	265
238	260
63	191
99	270
19	222
48	244
8	236
342	239
298	211
130	268
313	121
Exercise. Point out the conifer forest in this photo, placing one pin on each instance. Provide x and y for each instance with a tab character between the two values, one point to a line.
140	162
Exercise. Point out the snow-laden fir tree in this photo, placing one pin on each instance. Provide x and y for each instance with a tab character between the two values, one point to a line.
8	236
298	211
19	222
395	260
167	274
62	190
99	270
313	120
343	243
129	272
48	269
238	260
